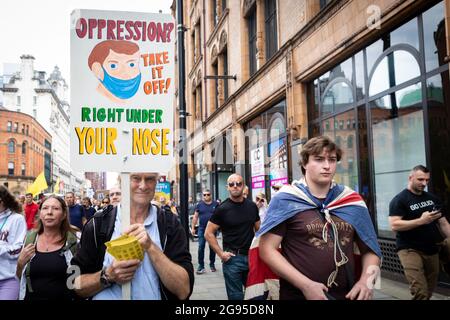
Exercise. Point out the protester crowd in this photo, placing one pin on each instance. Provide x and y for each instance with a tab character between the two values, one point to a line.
314	240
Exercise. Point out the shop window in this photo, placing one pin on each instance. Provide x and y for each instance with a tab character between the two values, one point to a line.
438	98
223	151
374	51
408	33
434	36
359	76
277	150
337	98
343	70
398	144
394	69
314	98
346	172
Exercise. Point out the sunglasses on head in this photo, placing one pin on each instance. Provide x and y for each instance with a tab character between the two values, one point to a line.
235	184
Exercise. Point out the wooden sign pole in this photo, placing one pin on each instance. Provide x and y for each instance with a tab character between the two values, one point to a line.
125	221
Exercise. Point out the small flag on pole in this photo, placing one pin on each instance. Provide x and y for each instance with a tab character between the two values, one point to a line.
56	188
38	185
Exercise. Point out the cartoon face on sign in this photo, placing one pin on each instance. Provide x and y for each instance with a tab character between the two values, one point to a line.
115	63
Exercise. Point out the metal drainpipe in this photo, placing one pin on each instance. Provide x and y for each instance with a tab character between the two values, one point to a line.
184	217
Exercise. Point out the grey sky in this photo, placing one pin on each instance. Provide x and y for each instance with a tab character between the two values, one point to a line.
41	28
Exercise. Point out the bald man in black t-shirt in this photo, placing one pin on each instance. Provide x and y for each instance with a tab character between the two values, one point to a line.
238	219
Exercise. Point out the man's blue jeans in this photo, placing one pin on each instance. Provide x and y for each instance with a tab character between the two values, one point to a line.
201	250
235	272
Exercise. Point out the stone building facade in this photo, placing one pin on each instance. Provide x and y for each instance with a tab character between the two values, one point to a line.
372	74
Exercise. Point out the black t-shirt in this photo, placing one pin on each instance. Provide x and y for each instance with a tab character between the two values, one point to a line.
48	274
410	206
236	221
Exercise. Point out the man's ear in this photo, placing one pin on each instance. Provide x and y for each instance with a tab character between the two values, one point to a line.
97	70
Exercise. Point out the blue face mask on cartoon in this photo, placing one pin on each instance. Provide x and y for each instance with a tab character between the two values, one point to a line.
122	89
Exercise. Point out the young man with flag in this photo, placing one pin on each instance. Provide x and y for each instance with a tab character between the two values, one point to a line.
316	222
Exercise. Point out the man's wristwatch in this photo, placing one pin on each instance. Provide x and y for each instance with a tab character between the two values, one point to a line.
104	280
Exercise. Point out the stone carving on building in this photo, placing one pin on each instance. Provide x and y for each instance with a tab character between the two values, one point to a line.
223	41
214	55
199	77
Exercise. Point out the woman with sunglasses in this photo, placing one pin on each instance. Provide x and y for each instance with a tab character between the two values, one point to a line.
13	229
105	202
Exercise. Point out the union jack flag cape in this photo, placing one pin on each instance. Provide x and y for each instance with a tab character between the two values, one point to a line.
341	201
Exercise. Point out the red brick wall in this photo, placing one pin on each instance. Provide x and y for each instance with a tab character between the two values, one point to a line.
35	147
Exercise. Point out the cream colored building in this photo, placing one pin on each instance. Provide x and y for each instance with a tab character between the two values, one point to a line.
372	74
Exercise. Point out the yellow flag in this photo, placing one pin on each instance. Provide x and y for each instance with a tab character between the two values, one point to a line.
56	189
38	185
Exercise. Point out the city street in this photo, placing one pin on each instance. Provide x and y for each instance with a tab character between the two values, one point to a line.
211	286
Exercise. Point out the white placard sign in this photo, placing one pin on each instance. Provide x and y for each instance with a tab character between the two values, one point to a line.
122	90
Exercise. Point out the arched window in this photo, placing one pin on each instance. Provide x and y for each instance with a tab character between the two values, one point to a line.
393	69
11	146
277	127
337	97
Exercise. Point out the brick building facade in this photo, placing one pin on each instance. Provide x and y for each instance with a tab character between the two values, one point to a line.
25	147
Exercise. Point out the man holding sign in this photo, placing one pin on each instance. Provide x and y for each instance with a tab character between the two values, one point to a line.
123	124
166	271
